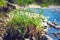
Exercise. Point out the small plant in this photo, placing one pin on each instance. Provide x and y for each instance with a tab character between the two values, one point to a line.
25	23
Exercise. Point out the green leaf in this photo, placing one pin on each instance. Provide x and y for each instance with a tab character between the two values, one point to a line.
19	31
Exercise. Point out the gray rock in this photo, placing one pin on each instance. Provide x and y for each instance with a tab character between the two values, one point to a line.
1	38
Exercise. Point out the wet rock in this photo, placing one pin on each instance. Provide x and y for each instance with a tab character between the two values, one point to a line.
46	37
56	34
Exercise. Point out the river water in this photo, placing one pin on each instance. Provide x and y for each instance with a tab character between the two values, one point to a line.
52	15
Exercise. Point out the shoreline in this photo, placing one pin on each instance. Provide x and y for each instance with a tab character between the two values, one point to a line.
38	6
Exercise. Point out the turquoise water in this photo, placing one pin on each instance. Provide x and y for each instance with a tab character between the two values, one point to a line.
53	14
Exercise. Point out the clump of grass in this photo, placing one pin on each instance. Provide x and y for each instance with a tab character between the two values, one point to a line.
44	5
26	23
